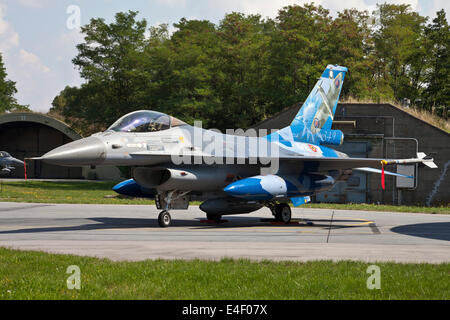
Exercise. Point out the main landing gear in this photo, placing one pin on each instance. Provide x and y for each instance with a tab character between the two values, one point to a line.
282	212
214	217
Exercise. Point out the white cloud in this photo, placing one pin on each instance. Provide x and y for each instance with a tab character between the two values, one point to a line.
32	77
34	80
34	3
31	62
266	8
71	38
173	3
430	7
336	6
8	37
414	3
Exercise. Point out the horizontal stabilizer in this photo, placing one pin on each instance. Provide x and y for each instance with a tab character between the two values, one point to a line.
421	155
426	161
430	164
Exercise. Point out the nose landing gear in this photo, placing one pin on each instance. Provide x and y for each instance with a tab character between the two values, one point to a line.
166	201
164	219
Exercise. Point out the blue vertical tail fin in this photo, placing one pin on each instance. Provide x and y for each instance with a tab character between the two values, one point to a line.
313	122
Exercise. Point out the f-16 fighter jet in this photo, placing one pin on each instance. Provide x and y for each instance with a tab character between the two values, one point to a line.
8	163
232	173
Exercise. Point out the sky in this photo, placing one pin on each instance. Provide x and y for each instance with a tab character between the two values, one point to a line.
38	38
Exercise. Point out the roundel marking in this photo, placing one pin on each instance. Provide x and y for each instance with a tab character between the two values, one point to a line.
316	123
313	148
337	82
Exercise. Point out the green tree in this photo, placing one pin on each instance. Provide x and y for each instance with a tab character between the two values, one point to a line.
350	44
77	107
297	58
399	49
437	92
246	68
190	77
243	65
7	91
111	61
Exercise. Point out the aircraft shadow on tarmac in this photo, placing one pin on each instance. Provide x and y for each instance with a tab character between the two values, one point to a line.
436	230
130	223
237	222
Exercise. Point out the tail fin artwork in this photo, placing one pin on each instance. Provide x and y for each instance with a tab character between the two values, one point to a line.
312	124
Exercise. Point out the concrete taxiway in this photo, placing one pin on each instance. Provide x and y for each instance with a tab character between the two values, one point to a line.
132	233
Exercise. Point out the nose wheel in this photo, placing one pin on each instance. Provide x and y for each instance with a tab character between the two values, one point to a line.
164	219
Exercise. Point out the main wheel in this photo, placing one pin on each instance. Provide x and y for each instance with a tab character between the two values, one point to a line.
164	219
283	213
215	217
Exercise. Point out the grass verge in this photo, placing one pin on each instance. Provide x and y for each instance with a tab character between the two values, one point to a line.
34	275
63	192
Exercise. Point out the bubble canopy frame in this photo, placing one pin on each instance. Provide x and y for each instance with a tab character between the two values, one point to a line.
145	121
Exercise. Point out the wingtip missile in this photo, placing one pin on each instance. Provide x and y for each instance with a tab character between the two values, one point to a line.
422	158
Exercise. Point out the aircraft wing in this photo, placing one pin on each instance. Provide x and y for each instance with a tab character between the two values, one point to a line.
315	163
361	164
336	163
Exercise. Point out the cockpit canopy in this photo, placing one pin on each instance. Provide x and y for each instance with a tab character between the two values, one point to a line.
145	121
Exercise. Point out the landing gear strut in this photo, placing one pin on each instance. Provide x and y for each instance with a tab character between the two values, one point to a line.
282	213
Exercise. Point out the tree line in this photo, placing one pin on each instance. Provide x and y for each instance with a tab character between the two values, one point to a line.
246	68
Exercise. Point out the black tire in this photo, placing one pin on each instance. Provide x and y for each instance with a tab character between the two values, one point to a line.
164	219
213	217
283	213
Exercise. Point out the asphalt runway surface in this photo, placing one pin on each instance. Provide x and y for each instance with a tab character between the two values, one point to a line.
132	233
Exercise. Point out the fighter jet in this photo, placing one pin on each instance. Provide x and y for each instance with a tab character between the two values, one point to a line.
8	163
175	163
